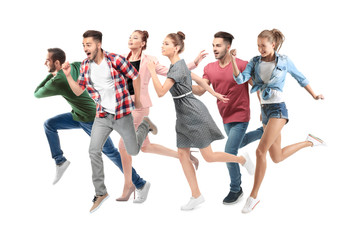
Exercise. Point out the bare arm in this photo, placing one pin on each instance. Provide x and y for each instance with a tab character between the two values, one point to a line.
160	89
311	92
76	88
198	90
232	54
137	90
202	82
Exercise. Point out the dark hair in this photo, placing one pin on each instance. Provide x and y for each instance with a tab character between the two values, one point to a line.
178	40
96	35
227	37
144	35
273	35
57	54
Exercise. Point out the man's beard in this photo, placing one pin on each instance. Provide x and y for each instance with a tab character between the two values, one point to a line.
52	69
95	55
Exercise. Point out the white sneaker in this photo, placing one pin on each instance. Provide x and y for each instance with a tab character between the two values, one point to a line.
251	203
316	141
141	194
60	169
194	202
249	165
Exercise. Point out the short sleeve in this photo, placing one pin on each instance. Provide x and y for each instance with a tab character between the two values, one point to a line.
205	73
174	74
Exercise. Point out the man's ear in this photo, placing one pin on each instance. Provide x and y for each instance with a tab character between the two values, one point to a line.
57	64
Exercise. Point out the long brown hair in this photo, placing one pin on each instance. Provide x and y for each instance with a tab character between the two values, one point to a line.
273	36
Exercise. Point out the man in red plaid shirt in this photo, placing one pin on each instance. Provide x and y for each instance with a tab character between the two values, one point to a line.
104	76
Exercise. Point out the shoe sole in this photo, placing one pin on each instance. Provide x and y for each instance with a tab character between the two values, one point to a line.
251	209
190	209
236	201
317	139
99	204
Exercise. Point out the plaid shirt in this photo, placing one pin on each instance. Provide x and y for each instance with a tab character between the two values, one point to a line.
120	68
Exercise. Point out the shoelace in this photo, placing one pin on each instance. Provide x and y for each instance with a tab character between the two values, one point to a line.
95	198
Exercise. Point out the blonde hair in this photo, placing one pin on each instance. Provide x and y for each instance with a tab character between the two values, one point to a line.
273	36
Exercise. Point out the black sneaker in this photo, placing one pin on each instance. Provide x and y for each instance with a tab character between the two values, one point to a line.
232	197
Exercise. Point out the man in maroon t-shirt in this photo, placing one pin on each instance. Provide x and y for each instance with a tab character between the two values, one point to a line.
235	113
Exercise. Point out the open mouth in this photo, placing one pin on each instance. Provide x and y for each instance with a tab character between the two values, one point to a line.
88	54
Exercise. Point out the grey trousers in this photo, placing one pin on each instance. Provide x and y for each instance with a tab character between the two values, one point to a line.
102	127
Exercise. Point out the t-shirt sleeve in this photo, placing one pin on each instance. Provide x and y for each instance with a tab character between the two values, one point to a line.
205	73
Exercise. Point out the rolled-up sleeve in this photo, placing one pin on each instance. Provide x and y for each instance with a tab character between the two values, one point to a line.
126	68
300	78
81	78
246	74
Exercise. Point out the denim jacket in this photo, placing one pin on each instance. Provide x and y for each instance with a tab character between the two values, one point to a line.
283	65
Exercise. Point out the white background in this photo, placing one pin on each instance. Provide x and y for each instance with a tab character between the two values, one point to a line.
301	198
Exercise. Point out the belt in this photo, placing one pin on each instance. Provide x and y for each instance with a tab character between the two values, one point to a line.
181	96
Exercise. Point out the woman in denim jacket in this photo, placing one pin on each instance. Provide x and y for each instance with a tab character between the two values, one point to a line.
268	72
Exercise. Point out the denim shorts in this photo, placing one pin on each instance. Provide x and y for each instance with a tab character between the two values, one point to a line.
274	110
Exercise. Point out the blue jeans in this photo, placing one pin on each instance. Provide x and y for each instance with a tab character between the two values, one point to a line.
66	121
238	139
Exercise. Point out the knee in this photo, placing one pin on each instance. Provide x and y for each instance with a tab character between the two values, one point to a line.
132	151
94	151
260	154
276	159
182	155
48	125
145	149
208	158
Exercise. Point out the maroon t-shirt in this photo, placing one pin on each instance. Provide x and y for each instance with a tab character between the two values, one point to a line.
238	107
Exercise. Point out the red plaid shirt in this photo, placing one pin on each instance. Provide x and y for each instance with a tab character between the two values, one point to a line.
120	68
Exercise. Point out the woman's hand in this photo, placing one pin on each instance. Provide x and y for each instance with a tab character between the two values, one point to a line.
319	97
221	97
151	66
200	57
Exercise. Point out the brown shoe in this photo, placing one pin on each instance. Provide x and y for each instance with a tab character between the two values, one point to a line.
152	128
97	202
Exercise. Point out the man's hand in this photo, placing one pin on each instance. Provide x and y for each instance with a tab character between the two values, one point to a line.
232	55
66	68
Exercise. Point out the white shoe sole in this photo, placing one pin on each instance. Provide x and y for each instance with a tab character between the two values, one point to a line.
99	204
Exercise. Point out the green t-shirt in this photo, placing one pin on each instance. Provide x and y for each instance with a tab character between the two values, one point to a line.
83	107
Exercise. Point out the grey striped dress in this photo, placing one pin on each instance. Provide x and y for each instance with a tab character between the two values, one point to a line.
195	127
